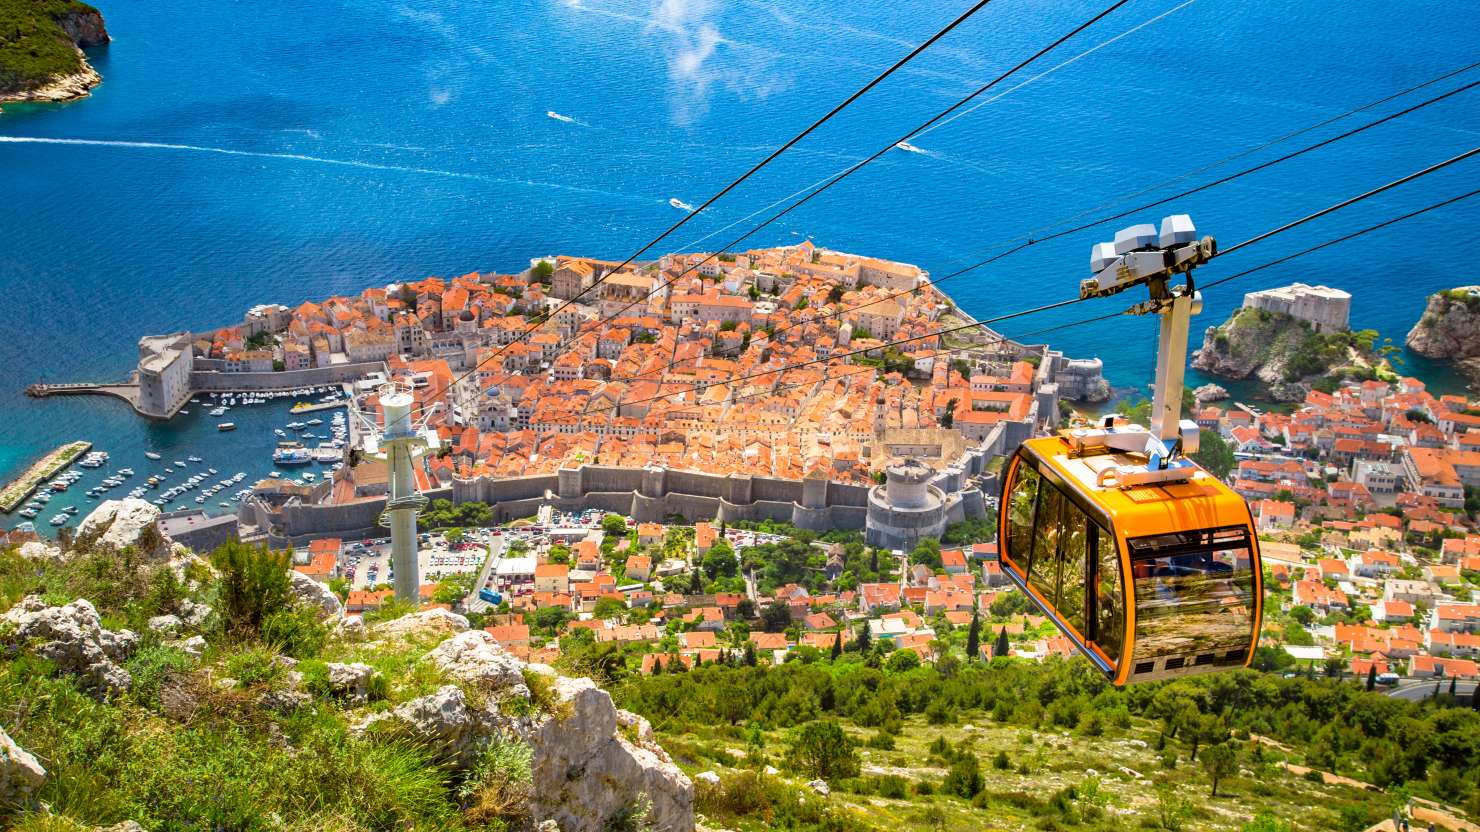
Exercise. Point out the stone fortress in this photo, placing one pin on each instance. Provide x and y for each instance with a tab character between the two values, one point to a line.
1324	308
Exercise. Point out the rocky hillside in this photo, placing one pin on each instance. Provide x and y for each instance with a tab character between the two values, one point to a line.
41	44
141	684
1284	353
1450	328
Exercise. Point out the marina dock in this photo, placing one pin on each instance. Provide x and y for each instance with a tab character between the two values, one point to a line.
16	492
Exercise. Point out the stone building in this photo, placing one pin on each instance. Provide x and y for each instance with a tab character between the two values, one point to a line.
164	373
908	507
1326	309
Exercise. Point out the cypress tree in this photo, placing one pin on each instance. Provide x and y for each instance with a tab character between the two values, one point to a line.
1372	676
1453	691
696	583
837	648
1001	648
750	654
658	665
864	638
974	636
1475	697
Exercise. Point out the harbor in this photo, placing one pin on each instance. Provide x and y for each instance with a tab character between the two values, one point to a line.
297	436
18	490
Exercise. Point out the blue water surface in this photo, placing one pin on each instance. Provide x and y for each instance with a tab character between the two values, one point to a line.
269	151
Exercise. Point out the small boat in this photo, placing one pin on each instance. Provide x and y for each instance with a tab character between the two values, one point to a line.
225	426
152	455
126	472
195	459
169	470
184	413
681	205
907	146
59	519
179	464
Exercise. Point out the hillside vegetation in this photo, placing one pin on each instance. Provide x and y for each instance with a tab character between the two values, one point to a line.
1286	354
35	45
1011	745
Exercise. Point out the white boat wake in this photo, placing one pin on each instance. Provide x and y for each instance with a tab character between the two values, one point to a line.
567	119
320	160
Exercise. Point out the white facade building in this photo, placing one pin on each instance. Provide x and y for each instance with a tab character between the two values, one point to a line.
1327	309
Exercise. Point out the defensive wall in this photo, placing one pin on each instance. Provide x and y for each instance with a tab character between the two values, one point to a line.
207	377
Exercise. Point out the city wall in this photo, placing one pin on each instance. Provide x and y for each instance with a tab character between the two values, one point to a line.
207	377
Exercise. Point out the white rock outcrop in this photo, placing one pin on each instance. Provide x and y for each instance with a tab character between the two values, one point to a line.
586	771
166	625
434	621
475	657
351	682
120	523
590	761
38	550
20	773
72	637
314	594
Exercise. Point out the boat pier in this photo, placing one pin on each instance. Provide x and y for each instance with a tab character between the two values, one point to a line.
16	491
126	390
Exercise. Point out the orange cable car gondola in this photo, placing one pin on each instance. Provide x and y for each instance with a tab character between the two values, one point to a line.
1145	561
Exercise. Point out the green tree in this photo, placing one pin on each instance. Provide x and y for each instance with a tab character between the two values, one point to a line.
775	617
964	778
609	608
1220	763
948	418
1372	676
974	636
541	271
253	585
1002	647
720	561
822	749
927	551
1214	454
864	639
902	660
614	525
837	648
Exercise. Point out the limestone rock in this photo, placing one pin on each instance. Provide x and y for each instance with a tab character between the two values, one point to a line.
166	625
441	720
283	701
586	772
120	523
351	682
351	628
125	826
1274	348
20	773
38	550
475	657
85	28
707	777
73	638
1210	393
819	786
194	614
314	594
427	622
194	647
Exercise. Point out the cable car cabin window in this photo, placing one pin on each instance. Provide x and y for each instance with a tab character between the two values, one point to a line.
1109	596
1043	569
1194	593
1020	507
1059	557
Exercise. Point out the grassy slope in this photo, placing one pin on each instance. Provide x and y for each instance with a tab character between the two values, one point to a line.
179	751
33	45
1057	780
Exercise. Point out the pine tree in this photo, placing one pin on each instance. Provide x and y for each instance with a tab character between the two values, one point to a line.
696	583
1001	648
837	648
864	638
657	665
974	636
1372	676
750	654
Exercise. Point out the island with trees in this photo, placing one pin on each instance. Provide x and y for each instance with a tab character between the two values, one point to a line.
41	43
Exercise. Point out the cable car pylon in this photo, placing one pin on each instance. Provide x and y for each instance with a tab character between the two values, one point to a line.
399	442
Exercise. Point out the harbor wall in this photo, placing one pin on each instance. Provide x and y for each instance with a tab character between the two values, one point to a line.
208	377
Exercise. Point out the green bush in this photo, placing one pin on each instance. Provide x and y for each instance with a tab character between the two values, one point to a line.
253	585
295	631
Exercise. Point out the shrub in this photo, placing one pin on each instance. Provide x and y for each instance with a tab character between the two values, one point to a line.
964	778
822	749
295	631
253	585
497	789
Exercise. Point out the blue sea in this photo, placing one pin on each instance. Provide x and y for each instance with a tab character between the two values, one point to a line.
269	151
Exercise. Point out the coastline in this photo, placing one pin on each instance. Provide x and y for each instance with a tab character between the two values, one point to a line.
58	90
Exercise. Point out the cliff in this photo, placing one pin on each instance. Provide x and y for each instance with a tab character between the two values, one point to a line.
1450	329
1284	353
41	43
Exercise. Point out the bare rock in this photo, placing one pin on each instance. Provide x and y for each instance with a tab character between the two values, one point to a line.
125	826
475	657
194	614
819	786
442	721
283	701
586	772
351	628
1450	325
20	773
166	625
1210	393
40	551
431	622
72	637
314	594
707	777
194	647
351	682
122	523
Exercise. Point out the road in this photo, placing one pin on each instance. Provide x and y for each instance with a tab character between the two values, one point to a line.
1417	690
473	603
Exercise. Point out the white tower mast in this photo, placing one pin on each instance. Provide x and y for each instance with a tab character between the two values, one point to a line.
399	443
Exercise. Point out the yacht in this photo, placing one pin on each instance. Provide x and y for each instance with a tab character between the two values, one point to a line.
315	422
211	471
28	513
194	459
59	519
125	472
179	464
152	455
225	426
291	453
